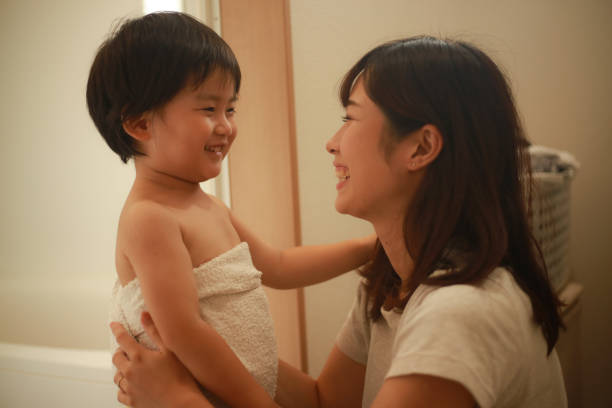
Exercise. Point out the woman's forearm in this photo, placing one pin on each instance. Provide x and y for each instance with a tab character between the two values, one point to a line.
192	400
295	389
215	366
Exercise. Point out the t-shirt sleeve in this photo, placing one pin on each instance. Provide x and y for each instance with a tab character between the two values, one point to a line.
354	337
459	334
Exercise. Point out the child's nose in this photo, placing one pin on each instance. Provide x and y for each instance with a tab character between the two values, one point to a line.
224	126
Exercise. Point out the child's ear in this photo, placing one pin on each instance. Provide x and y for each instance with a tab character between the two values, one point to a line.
138	127
427	145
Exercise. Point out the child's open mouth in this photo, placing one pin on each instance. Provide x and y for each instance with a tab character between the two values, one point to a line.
215	149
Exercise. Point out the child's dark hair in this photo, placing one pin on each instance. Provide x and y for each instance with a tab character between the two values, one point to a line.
473	199
144	64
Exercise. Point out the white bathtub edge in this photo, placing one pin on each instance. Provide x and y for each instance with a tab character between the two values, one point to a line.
82	365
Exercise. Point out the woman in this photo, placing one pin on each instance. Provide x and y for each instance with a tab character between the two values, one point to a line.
455	309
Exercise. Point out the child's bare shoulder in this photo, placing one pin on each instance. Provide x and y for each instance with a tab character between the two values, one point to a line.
145	228
218	202
145	217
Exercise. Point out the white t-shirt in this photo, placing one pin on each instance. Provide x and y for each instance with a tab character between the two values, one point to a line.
483	337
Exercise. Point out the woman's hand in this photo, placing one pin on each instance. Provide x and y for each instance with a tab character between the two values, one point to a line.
148	378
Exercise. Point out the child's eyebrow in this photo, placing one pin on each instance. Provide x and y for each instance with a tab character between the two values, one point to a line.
351	102
214	97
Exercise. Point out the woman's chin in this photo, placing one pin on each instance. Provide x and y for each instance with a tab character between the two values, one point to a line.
340	207
343	207
348	208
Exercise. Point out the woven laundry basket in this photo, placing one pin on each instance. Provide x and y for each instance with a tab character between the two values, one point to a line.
550	222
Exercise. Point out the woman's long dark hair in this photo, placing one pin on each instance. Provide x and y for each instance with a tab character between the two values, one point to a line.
474	197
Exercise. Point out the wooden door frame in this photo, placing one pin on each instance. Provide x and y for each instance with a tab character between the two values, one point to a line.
263	159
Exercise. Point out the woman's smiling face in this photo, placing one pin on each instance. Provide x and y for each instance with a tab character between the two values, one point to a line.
370	180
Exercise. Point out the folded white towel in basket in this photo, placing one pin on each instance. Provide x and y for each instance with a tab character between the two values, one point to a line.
549	160
553	172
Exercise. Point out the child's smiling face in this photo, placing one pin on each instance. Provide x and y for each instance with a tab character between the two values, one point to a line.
189	137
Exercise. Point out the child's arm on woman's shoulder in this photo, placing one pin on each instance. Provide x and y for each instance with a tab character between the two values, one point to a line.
154	246
306	265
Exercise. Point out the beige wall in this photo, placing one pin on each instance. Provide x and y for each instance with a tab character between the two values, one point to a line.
62	188
61	185
558	57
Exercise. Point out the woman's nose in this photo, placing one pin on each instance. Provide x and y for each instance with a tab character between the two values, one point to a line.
332	146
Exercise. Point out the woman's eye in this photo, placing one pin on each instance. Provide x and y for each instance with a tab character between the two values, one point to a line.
209	109
346	118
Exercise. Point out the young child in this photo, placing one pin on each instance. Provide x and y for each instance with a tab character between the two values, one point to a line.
162	90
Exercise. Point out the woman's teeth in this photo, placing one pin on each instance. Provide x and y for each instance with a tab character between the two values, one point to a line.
342	173
214	149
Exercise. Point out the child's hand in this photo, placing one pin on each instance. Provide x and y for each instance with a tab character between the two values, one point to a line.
148	378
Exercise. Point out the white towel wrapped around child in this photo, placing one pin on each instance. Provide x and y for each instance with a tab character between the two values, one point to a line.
231	300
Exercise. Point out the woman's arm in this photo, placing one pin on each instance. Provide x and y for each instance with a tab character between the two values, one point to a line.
155	249
339	385
423	391
148	378
305	265
158	378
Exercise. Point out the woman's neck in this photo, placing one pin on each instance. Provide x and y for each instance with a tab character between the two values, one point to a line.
390	232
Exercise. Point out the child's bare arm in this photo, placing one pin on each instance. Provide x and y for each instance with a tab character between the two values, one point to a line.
156	251
305	265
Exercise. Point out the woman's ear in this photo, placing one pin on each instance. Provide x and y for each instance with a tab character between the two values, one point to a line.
139	128
427	145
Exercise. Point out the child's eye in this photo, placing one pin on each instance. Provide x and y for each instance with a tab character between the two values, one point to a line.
231	111
208	109
346	118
